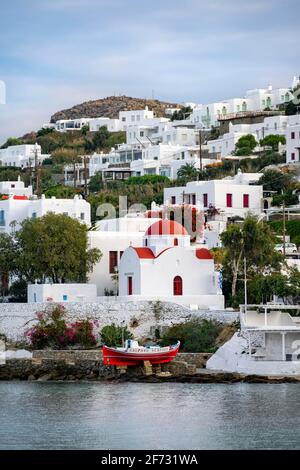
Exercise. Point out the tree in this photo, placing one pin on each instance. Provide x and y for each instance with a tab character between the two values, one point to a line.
252	240
8	254
54	247
246	141
12	141
274	180
100	138
273	140
182	113
188	172
60	191
288	197
112	335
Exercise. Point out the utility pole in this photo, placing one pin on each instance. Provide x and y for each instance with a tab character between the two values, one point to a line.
85	175
245	283
37	171
200	149
284	229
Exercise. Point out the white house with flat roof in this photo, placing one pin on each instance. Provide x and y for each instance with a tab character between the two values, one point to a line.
15	188
231	196
14	209
22	156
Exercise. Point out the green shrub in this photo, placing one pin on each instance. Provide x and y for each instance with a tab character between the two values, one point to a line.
194	335
112	335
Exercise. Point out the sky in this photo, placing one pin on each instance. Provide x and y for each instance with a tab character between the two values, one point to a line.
58	53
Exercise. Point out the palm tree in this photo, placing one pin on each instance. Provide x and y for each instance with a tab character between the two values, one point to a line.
188	172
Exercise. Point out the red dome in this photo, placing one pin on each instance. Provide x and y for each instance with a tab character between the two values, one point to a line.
203	253
166	227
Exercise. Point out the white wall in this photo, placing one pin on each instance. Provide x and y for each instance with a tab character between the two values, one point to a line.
17	188
61	293
293	139
21	155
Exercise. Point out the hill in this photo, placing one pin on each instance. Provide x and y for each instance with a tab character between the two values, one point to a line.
110	107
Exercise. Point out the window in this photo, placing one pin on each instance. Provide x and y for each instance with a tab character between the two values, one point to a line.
194	199
293	156
205	199
81	215
33	215
175	241
129	285
292	135
113	261
228	200
246	200
65	297
177	285
173	200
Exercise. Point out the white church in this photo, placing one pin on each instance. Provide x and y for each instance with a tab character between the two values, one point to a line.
167	267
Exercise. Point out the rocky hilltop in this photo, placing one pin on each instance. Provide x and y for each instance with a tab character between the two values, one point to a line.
110	107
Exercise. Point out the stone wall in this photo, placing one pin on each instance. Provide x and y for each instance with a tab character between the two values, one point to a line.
142	317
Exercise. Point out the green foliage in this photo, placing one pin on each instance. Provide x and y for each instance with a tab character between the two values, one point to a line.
96	182
288	197
292	229
18	291
45	131
53	331
54	247
146	179
10	173
246	141
261	289
194	335
182	113
252	240
111	335
273	140
188	172
274	180
243	152
61	192
12	141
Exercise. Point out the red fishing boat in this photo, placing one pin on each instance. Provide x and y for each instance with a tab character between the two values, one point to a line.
133	354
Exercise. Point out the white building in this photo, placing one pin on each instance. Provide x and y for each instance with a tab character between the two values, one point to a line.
133	117
293	140
231	196
22	156
61	293
112	237
207	115
167	267
225	145
15	209
15	188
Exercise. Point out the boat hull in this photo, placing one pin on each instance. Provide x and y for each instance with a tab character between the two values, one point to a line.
115	357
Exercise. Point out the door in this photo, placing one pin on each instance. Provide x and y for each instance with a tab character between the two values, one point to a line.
177	285
129	285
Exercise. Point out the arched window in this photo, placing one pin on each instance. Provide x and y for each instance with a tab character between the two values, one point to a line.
177	285
244	106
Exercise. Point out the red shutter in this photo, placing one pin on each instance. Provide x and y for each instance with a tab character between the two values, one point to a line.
113	261
246	200
229	200
129	285
205	200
